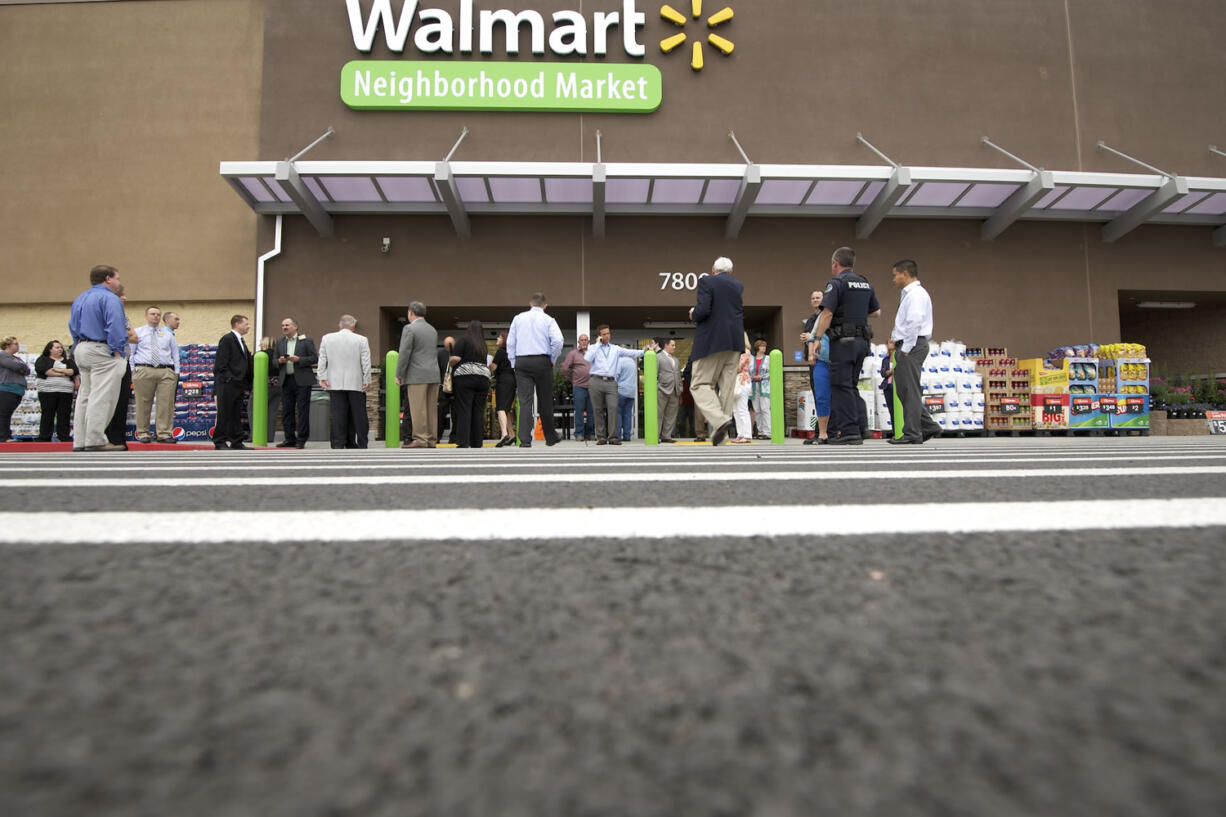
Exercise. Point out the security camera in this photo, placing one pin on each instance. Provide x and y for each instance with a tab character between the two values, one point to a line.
387	245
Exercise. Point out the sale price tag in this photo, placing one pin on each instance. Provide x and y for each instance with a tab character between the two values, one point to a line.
1217	421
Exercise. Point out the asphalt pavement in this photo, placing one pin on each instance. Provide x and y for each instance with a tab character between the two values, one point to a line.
591	631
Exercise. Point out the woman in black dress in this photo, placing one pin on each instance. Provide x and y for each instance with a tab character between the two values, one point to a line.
504	389
470	382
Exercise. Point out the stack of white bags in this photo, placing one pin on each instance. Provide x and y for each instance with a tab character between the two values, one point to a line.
947	373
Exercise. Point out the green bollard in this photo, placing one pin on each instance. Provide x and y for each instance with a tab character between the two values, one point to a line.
776	378
259	400
897	407
391	401
651	399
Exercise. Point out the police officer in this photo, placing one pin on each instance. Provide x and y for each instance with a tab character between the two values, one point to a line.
847	304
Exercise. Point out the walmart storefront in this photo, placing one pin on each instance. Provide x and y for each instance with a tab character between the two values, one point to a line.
314	157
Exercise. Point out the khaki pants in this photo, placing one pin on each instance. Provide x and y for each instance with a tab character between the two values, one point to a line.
668	415
101	373
715	370
423	408
148	382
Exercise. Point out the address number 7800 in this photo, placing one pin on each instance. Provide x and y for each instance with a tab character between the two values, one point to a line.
680	280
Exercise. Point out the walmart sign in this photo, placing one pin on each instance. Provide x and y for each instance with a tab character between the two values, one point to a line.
497	85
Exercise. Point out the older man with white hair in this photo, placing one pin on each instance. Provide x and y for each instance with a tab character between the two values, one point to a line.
719	342
344	370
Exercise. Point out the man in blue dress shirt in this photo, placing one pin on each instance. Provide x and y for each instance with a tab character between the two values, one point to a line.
602	383
100	340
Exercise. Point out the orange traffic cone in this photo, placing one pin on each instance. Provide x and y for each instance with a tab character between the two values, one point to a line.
539	433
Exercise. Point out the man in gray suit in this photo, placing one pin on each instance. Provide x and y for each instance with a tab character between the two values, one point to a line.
418	369
669	386
344	370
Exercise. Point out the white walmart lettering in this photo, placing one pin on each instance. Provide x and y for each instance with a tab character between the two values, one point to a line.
436	33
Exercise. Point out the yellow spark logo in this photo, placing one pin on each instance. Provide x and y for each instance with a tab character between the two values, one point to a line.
677	18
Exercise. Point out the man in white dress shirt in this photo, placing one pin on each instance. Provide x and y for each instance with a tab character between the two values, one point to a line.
534	342
155	371
344	370
912	329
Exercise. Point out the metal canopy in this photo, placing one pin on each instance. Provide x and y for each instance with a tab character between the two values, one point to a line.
736	192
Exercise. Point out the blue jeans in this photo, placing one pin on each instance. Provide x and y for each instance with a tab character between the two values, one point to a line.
625	416
585	416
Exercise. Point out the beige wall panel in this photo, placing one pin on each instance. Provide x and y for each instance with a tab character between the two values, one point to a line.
203	322
116	116
1179	345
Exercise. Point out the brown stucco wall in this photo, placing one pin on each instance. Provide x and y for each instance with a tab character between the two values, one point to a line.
115	118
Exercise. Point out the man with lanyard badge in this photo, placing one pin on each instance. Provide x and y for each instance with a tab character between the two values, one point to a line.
847	304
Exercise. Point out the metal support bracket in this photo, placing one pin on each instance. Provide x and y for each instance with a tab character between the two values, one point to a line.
599	176
751	183
894	189
1016	205
1129	220
301	195
445	182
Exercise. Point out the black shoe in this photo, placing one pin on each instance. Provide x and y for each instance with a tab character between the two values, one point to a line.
930	435
902	441
551	443
615	441
823	441
299	445
168	441
845	441
525	445
220	446
287	444
238	446
811	441
668	441
144	440
602	441
722	432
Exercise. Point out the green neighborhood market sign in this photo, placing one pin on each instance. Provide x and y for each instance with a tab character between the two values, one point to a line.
508	85
501	86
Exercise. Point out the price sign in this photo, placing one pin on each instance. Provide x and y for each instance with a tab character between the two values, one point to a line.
1108	405
935	405
1083	405
1217	421
1134	405
1010	405
193	388
1053	405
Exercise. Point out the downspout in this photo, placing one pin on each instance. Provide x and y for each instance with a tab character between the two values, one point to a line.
259	282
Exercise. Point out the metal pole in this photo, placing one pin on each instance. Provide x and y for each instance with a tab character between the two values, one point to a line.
651	399
391	401
745	156
1104	146
776	401
302	152
1022	162
598	159
869	145
259	400
1213	149
454	147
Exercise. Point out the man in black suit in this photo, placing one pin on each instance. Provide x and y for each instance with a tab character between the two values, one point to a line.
719	342
231	381
445	399
293	356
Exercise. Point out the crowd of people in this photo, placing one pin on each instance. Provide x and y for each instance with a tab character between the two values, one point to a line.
722	393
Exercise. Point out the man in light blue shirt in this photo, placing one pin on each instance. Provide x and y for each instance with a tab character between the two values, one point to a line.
155	373
534	342
100	340
604	358
627	390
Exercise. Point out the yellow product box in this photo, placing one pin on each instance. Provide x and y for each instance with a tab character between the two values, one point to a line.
1042	377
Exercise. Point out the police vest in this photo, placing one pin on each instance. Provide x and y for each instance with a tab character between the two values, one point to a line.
850	319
